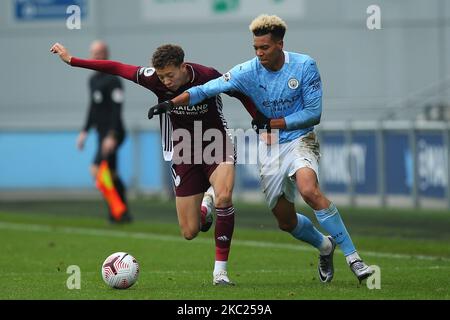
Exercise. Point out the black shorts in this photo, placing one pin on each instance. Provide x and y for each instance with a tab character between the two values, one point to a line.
112	157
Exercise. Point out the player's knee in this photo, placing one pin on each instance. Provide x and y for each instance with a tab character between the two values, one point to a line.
223	199
310	194
189	234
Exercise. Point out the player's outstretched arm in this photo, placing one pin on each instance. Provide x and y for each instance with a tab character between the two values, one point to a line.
125	71
62	52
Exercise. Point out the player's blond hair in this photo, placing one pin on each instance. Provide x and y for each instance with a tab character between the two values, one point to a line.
265	24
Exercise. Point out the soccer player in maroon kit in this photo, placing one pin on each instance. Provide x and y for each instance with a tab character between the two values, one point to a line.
169	77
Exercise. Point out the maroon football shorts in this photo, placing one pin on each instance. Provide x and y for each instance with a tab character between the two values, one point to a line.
193	178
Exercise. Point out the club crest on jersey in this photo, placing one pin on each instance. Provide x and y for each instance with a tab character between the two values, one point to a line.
293	83
227	76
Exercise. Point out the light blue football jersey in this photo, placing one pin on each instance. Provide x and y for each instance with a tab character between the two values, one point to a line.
294	92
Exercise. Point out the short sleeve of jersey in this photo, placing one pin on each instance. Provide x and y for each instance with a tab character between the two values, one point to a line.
311	84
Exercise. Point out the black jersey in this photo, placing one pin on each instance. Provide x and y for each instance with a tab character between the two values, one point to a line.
105	110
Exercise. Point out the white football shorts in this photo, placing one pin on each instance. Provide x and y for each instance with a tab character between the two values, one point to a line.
277	169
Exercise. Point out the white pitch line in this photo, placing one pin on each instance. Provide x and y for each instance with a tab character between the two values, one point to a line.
153	236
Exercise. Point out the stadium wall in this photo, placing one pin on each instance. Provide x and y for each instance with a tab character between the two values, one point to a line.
369	164
49	160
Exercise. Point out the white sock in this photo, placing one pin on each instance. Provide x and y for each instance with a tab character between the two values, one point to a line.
351	257
325	247
219	266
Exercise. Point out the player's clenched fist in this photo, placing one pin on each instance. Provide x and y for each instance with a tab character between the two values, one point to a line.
160	108
62	52
261	122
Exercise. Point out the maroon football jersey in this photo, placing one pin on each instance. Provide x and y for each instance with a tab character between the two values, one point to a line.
209	111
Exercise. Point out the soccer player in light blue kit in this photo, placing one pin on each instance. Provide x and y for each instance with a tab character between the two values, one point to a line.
287	90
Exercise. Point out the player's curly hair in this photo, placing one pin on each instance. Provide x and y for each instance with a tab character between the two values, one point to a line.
265	24
167	54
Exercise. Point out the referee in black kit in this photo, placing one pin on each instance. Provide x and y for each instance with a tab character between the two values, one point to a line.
104	114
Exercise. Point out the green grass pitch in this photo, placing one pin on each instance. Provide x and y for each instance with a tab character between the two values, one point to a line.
41	239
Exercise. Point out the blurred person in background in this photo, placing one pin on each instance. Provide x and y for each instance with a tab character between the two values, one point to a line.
105	115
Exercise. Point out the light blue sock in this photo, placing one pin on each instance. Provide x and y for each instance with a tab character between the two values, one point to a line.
306	231
331	221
